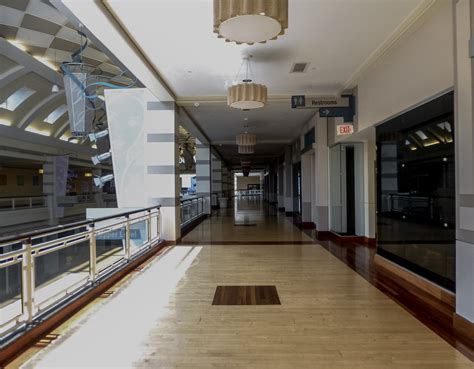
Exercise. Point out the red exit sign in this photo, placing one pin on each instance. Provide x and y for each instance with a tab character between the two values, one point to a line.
344	129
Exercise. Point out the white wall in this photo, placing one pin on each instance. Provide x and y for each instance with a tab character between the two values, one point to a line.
417	68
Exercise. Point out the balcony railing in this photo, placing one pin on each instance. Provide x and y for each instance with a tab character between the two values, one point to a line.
191	209
42	269
248	192
22	202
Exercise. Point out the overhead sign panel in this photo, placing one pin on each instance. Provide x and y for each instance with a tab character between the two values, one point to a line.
317	102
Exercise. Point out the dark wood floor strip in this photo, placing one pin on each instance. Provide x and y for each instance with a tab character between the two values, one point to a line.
246	295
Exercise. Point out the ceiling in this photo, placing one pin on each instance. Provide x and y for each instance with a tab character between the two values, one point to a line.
34	39
336	37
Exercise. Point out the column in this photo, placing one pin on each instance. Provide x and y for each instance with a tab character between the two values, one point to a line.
281	193
464	141
162	164
144	142
55	170
225	182
288	182
203	174
97	191
306	190
216	178
321	173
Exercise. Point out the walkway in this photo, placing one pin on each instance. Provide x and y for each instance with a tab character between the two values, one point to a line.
329	317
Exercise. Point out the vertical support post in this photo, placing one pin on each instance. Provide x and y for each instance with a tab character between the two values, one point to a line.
128	246
203	174
31	202
28	281
92	253
149	226
13	203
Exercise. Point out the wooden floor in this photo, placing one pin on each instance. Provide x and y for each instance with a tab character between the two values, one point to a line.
329	317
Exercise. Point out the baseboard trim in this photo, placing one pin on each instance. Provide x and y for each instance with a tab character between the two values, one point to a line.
411	278
464	328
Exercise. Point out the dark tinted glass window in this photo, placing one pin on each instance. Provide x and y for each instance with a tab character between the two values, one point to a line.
416	191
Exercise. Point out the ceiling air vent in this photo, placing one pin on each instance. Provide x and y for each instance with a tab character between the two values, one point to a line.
299	68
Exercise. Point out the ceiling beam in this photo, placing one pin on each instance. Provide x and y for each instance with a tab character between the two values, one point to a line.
32	114
12	75
107	32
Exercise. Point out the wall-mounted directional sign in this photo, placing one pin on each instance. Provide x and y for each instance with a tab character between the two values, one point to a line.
317	102
329	107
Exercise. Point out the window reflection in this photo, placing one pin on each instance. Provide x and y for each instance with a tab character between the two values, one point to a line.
416	195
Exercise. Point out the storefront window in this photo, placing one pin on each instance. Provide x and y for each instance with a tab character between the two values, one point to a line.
416	191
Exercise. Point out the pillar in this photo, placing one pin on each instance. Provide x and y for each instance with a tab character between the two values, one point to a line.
306	189
144	143
281	189
464	143
216	177
203	174
321	173
55	170
97	192
288	181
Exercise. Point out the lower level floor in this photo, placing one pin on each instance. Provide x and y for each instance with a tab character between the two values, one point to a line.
247	288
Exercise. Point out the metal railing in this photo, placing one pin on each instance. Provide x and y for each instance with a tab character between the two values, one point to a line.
22	202
42	269
191	209
248	192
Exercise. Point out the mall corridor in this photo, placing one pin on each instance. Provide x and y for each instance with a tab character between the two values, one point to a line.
190	184
327	316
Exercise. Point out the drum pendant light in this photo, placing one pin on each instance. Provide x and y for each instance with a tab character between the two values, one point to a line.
250	21
246	95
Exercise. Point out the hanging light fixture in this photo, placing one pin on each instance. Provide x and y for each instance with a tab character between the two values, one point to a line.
250	21
246	149
246	139
246	95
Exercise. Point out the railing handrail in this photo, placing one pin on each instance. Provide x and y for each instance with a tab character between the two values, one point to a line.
191	199
22	197
64	227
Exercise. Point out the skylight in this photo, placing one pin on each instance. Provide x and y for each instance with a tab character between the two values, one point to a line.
56	114
422	135
17	98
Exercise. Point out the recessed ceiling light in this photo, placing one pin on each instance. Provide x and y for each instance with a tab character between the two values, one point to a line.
196	104
246	118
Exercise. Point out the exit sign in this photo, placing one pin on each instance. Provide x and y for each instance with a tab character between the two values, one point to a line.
344	129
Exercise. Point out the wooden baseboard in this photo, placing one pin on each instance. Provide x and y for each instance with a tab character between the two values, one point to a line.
464	327
372	242
423	284
30	337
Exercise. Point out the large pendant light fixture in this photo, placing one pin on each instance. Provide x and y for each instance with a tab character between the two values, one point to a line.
246	95
250	21
246	142
246	139
246	150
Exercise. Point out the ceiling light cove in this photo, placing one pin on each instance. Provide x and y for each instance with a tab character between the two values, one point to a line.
250	21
